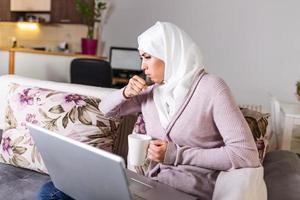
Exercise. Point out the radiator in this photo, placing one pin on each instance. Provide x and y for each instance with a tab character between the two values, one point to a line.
252	107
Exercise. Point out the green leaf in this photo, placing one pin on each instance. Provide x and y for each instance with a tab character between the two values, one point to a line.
95	136
93	101
51	124
52	93
101	124
10	120
91	108
83	116
113	125
20	161
73	115
90	14
44	114
56	109
35	155
17	141
65	120
19	150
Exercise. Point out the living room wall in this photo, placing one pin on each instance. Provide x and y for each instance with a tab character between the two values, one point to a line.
254	45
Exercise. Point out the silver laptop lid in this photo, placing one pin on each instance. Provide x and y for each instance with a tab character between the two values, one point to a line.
79	170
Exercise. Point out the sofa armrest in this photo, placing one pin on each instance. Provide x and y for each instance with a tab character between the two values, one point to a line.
282	175
6	80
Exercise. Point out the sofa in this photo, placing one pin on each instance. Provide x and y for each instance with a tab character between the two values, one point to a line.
21	176
20	181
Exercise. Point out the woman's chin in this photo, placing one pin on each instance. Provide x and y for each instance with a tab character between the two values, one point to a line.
149	81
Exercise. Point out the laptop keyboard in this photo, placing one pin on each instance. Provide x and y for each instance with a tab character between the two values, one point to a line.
135	185
137	197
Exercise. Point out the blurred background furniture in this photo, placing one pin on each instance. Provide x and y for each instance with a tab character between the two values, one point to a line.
285	121
125	63
291	114
275	120
93	72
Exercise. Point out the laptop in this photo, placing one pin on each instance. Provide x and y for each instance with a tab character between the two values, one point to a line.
88	173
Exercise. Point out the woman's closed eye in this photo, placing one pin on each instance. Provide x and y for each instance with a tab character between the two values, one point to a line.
146	56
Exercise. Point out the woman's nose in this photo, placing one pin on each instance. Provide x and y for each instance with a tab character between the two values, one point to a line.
143	66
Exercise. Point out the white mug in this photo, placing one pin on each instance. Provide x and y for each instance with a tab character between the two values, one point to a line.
137	148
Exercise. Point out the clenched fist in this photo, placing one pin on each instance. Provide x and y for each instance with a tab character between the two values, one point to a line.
135	86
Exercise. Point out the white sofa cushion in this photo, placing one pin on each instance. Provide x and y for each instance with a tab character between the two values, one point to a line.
241	184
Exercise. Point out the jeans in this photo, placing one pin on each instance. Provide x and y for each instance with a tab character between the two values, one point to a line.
49	192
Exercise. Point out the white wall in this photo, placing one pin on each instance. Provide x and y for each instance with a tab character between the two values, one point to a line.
253	44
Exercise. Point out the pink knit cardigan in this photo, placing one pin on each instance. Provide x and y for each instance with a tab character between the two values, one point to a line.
207	134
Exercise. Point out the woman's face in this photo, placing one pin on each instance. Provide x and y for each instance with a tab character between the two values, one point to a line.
153	67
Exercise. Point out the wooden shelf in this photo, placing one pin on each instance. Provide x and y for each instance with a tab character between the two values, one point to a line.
13	51
55	53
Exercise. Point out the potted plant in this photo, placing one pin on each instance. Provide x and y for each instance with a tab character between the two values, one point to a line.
298	90
91	15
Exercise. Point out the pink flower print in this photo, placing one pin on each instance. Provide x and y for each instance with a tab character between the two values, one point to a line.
72	100
25	98
139	126
31	118
68	101
6	145
75	98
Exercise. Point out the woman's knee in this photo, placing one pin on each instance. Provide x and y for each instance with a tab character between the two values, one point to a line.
49	192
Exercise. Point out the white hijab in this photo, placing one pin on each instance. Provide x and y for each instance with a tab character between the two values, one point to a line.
183	61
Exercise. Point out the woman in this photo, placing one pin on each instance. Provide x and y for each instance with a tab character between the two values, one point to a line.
197	127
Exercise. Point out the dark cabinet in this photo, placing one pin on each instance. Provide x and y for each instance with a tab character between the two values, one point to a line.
5	14
62	11
65	12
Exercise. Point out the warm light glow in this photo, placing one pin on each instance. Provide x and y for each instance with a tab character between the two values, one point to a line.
28	26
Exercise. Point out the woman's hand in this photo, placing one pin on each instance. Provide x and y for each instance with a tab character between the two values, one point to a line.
135	86
157	150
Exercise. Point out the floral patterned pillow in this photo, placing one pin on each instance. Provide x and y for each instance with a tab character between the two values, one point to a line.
72	115
139	126
258	123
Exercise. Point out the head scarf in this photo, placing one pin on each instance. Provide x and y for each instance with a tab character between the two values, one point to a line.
183	62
